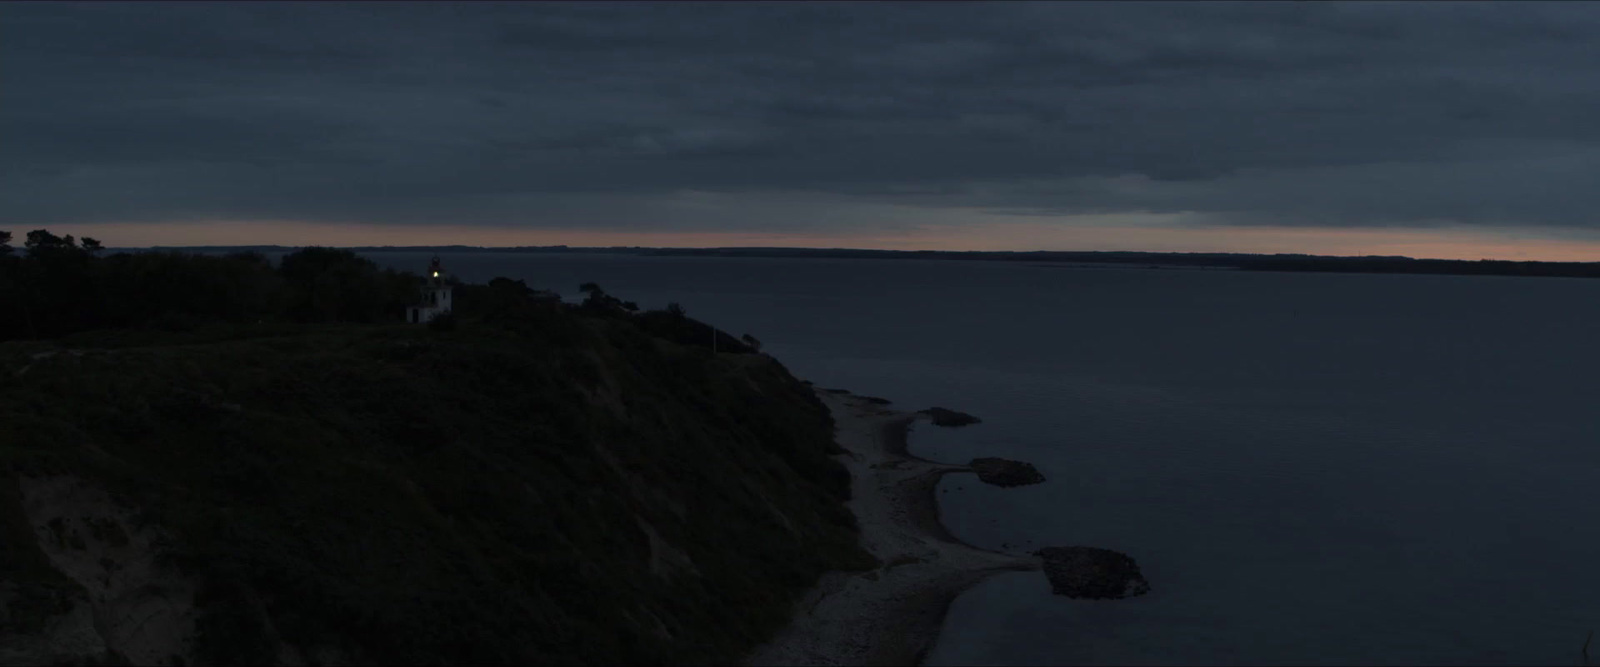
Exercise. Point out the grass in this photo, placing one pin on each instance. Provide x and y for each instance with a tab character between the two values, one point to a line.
412	496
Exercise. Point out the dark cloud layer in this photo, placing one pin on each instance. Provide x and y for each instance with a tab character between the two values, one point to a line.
562	114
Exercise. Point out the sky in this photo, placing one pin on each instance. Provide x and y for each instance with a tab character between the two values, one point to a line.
1463	130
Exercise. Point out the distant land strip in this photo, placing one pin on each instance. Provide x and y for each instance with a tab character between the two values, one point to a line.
1239	261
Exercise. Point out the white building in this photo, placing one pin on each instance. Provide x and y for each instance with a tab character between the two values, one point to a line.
435	296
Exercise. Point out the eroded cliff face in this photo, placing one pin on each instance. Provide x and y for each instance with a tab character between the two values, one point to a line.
66	637
131	604
553	490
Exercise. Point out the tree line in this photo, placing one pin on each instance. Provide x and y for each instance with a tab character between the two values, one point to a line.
503	297
58	285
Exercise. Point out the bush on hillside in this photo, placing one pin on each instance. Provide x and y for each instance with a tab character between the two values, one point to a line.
684	330
443	322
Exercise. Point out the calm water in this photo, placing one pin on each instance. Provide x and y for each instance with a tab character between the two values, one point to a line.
1310	469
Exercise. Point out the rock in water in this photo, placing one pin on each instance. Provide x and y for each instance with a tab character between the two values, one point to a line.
1091	572
1003	472
947	417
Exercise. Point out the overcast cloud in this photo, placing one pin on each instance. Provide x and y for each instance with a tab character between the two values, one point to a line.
724	116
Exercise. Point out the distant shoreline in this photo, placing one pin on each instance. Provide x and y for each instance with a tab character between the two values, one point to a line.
1283	262
891	615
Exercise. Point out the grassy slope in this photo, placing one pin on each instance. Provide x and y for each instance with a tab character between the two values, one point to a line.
414	496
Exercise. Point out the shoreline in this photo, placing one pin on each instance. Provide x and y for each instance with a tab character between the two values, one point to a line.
891	615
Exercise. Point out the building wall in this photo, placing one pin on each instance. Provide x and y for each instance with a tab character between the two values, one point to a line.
436	303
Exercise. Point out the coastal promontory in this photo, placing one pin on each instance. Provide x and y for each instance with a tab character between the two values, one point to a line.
261	464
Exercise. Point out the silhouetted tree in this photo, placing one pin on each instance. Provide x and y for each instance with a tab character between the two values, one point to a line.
179	289
600	302
676	310
60	286
42	244
502	294
53	285
510	286
751	341
10	292
336	285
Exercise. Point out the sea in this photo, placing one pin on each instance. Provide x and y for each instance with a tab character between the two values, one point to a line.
1348	469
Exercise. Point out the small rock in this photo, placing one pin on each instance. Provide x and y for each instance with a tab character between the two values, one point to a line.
948	417
1003	472
1092	573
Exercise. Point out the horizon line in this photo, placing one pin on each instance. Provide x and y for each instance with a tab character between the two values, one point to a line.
836	249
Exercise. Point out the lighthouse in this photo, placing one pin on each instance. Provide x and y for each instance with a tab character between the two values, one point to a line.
435	296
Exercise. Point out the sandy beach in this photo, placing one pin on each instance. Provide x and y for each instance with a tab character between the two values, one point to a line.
892	615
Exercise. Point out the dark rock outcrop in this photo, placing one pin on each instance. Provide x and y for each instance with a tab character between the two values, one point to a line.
1004	472
948	417
1092	572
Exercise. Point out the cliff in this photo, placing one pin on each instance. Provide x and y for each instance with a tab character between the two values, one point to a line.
547	487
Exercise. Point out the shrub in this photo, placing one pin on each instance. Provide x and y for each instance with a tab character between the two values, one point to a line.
443	322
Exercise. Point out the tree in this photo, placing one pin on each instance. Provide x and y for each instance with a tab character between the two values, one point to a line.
599	301
751	341
5	243
90	245
57	285
676	310
41	243
337	285
516	287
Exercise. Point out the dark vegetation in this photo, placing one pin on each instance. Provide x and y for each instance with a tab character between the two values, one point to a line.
510	486
60	286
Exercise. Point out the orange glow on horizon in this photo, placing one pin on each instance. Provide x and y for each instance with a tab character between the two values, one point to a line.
1457	243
